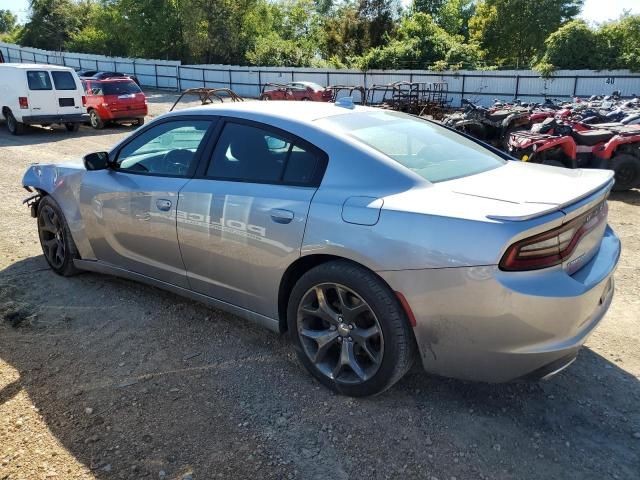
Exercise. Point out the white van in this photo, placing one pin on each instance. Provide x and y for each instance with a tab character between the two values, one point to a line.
32	94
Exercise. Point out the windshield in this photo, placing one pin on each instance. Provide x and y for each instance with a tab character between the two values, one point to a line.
120	88
431	151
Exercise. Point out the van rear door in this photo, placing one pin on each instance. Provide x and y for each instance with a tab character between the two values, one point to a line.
42	101
68	92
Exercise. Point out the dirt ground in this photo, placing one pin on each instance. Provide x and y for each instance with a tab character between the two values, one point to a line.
105	378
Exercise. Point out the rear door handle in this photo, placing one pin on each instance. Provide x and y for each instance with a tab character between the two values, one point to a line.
163	204
280	215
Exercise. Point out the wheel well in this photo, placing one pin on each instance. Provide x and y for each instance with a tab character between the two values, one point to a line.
296	270
5	110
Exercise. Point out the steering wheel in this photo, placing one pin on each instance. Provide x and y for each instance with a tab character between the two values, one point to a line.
177	161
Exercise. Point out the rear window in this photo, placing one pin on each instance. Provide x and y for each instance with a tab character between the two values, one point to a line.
38	80
63	80
119	88
433	152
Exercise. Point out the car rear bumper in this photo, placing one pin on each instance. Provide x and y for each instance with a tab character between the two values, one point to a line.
63	118
483	324
124	114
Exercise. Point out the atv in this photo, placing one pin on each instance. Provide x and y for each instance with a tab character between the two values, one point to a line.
492	126
616	147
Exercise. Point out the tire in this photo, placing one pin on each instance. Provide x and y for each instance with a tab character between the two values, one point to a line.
372	331
139	122
72	127
56	241
626	168
265	98
15	127
95	120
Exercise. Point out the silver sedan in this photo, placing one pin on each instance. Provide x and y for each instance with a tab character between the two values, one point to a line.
373	238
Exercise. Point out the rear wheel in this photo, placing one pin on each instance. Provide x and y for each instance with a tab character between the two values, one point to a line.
55	238
626	168
349	329
72	127
265	97
139	122
15	127
95	120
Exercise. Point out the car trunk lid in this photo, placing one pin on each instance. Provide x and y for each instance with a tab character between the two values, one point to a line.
534	190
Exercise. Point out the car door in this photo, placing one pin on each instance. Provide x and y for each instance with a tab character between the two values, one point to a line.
130	210
241	220
68	92
42	100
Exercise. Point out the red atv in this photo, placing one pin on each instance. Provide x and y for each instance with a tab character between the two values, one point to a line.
553	143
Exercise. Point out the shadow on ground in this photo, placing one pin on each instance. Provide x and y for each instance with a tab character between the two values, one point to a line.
176	387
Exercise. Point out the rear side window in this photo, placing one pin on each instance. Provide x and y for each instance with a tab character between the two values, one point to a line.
63	80
38	80
252	154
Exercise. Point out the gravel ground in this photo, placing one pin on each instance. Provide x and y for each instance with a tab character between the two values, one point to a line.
105	378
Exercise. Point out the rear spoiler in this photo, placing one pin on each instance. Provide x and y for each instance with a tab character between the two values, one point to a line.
600	192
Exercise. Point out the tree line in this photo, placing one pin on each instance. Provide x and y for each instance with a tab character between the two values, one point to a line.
365	34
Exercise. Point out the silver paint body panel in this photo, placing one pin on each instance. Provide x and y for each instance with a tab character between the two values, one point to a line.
229	243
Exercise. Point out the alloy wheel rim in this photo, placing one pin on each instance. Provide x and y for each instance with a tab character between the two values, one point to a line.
340	334
52	236
11	123
94	119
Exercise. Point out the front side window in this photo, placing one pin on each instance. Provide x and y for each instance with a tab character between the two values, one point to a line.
252	154
166	149
431	151
63	80
38	80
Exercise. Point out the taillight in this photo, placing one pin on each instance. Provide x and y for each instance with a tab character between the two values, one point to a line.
24	102
84	101
553	247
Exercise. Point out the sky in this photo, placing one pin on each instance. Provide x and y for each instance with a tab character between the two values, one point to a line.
594	10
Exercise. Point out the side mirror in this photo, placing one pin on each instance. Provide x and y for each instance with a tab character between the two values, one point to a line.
97	161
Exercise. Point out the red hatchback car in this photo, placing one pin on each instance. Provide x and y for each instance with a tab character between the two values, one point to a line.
296	91
114	100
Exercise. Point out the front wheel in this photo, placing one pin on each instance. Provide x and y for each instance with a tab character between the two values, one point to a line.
95	120
55	238
349	329
626	168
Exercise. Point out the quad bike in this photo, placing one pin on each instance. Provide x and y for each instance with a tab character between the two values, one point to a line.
560	145
492	126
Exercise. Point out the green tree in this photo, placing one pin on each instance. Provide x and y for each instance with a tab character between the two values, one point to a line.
421	43
573	46
620	40
452	15
8	21
512	32
51	23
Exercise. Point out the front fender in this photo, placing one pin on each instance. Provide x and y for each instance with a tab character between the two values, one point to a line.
62	183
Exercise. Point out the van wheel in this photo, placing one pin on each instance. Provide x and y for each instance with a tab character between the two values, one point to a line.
349	329
72	127
15	127
95	120
627	172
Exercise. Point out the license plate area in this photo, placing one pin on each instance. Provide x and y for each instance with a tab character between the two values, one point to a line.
66	102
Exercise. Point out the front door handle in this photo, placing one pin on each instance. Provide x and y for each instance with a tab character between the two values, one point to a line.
280	215
163	204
